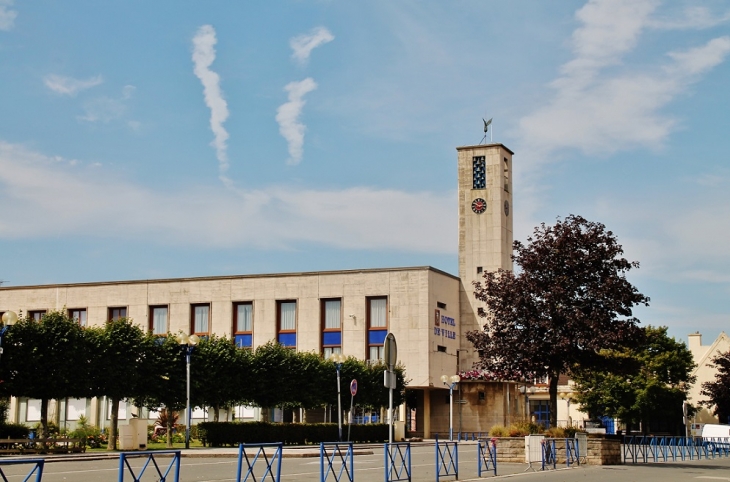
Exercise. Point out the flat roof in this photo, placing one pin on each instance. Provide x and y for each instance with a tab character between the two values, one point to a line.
497	144
224	277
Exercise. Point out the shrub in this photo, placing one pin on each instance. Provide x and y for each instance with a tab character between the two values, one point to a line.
218	434
90	436
499	431
14	430
555	432
527	427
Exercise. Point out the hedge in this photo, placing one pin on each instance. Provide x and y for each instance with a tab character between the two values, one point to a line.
219	434
14	430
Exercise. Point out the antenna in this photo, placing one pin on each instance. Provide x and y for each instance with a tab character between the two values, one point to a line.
487	123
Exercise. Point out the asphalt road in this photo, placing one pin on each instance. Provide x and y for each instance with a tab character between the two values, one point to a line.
369	468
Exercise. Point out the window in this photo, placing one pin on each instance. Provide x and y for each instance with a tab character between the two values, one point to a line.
158	320
506	174
480	172
243	324
441	305
287	323
331	327
114	314
79	315
377	315
441	348
200	319
479	270
36	314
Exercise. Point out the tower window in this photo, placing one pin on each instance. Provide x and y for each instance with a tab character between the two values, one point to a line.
441	305
506	174
479	270
480	172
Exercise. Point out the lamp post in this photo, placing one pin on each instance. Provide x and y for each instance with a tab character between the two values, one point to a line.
338	359
9	319
451	381
188	342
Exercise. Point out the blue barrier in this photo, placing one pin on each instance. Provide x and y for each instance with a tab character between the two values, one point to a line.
150	454
572	452
272	462
486	457
37	468
447	459
398	462
336	458
643	449
548	453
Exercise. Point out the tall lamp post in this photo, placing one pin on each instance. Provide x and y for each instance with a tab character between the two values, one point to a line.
451	381
9	319
338	359
188	342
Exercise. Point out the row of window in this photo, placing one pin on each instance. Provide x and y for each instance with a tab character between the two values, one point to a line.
479	173
286	322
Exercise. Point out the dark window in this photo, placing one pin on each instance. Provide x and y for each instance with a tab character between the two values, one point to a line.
36	314
441	305
506	174
441	348
481	396
79	315
377	317
243	324
158	320
286	322
480	172
331	312
200	319
114	314
479	270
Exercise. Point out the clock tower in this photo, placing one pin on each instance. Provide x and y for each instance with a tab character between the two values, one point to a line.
485	228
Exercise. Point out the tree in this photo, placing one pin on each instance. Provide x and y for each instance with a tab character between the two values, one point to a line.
641	384
569	300
47	359
718	391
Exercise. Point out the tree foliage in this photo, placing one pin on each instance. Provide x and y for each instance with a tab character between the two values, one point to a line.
718	391
569	299
639	384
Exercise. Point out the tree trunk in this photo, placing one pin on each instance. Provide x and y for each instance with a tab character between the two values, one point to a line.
553	380
113	425
169	427
44	418
216	412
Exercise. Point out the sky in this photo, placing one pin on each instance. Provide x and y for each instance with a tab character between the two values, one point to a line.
180	138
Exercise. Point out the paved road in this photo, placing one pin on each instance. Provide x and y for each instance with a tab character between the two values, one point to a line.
369	468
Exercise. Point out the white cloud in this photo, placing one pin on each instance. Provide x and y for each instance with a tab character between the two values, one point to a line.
287	115
105	109
80	198
70	86
203	56
302	45
600	113
7	16
692	17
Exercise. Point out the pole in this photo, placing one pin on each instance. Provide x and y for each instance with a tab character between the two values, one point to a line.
390	406
187	411
349	419
451	412
339	404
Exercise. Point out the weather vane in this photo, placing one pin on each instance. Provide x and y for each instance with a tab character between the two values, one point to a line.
487	123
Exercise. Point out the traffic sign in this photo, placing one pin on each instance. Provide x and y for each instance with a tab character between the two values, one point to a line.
353	387
391	351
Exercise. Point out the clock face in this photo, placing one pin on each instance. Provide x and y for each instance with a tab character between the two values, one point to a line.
506	208
479	205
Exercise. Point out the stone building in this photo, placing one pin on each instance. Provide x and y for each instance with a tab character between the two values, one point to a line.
703	355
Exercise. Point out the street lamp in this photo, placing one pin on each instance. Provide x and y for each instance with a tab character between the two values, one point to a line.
9	319
188	342
338	359
451	381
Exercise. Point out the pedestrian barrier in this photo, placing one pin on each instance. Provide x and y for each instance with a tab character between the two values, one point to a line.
643	449
447	459
548	453
473	436
487	456
272	462
37	468
572	452
398	462
150	455
339	463
582	439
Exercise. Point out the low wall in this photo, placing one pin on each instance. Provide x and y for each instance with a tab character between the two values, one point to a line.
600	451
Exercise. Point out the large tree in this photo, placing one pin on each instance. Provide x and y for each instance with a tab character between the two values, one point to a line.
646	384
718	391
568	300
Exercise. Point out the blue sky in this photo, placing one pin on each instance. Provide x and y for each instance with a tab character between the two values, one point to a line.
165	139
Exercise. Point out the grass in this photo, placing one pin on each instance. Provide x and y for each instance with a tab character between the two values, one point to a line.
154	446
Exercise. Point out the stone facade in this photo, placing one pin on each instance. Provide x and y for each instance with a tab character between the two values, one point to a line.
601	451
703	355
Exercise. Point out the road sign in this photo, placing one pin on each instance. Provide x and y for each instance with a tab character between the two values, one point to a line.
391	351
353	387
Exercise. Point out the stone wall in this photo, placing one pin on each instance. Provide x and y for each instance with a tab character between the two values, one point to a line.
603	451
600	451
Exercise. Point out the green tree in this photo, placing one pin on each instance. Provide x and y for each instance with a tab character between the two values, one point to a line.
640	384
47	359
718	391
569	299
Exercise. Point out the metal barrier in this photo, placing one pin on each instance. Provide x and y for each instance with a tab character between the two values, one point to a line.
487	456
548	453
344	461
150	454
643	449
398	462
37	468
271	461
572	452
467	436
447	459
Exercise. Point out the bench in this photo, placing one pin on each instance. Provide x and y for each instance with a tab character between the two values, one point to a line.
42	446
